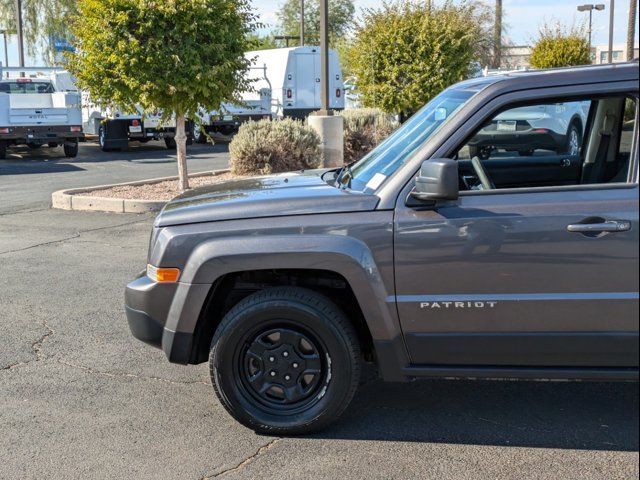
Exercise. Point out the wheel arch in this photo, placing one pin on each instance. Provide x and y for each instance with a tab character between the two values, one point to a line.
318	262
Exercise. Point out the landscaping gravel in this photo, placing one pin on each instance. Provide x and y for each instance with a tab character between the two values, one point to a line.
165	190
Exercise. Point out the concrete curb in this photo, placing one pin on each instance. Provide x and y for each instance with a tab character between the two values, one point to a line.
72	198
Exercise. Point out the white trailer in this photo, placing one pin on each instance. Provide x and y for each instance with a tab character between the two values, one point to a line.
39	106
285	79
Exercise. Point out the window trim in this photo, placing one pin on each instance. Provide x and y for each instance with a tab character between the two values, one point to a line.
393	195
632	180
558	188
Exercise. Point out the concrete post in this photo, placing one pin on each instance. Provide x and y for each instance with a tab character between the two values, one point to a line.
331	131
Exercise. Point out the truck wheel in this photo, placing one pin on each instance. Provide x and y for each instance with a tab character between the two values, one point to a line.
71	149
102	139
3	149
285	361
198	134
170	143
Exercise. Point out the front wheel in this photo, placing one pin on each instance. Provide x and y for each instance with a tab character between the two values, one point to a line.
285	361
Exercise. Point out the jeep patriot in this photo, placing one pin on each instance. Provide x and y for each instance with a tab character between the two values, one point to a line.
422	258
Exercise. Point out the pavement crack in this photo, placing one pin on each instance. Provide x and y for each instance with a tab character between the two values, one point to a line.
93	371
36	348
19	212
71	237
261	451
37	345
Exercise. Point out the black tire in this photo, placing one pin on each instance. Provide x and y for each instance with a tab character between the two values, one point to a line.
52	144
102	139
170	143
3	149
71	149
308	345
198	134
573	140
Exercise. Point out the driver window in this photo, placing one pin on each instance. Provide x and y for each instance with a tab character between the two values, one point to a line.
551	144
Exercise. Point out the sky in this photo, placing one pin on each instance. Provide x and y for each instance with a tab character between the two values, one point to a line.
522	18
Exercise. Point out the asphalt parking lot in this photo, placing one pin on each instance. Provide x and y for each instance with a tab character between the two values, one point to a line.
80	398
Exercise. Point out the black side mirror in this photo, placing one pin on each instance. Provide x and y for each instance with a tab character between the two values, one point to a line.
437	180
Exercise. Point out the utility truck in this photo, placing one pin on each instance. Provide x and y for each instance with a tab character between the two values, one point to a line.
115	128
286	82
39	106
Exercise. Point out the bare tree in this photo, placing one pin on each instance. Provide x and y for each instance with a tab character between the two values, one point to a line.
497	35
631	29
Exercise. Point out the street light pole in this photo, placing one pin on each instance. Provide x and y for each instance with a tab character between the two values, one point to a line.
611	7
324	57
590	27
590	8
301	22
19	33
329	127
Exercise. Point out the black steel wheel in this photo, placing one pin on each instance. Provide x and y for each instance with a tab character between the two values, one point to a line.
282	368
285	361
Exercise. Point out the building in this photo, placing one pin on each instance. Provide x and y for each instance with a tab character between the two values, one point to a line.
515	57
600	53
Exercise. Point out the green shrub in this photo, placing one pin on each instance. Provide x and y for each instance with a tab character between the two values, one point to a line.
559	46
265	147
365	128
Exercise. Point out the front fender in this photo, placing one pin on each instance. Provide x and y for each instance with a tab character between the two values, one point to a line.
344	255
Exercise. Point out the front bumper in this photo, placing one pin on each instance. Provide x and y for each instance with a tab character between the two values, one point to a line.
165	315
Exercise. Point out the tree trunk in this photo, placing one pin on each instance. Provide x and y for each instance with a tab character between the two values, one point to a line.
631	29
181	150
497	36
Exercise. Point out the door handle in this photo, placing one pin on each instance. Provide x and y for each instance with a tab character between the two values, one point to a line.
609	226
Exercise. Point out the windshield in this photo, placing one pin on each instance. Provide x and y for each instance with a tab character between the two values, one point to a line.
372	170
26	87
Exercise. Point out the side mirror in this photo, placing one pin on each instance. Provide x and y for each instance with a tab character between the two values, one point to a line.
438	180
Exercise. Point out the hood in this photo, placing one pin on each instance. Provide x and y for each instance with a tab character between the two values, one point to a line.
297	193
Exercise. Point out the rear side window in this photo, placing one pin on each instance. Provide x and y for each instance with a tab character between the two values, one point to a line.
559	143
26	87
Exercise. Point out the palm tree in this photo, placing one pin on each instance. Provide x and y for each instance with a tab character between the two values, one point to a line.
497	35
631	29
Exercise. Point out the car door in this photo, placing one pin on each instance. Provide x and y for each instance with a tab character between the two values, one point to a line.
524	277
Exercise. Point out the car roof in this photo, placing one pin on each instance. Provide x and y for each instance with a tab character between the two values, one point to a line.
627	71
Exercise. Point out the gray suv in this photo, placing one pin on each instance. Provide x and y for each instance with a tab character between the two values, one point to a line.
422	259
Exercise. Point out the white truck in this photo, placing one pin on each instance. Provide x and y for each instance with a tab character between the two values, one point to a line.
39	106
292	76
115	129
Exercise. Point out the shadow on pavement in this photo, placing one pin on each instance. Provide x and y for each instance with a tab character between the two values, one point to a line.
27	167
567	415
23	160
